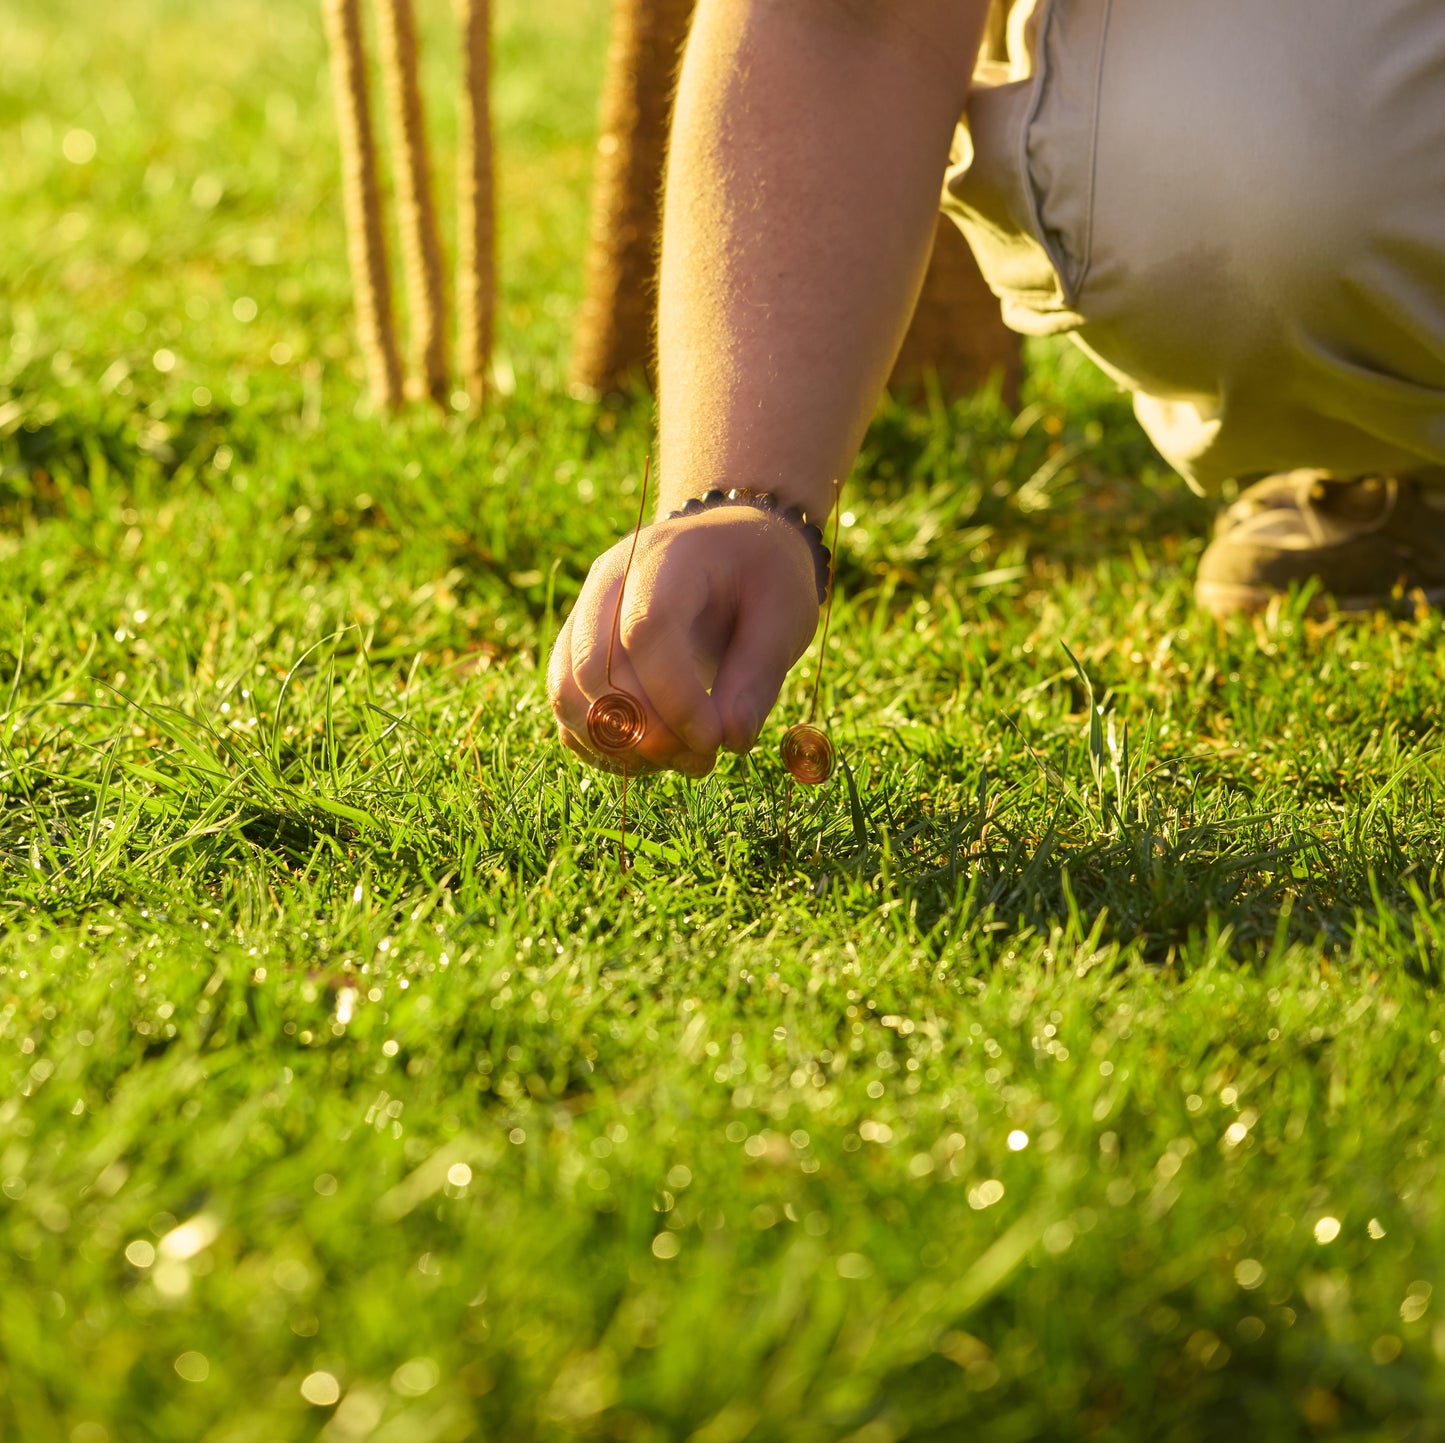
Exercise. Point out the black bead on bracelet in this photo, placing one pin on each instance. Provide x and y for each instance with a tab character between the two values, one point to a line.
766	501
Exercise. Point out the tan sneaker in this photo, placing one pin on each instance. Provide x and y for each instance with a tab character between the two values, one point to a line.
1369	542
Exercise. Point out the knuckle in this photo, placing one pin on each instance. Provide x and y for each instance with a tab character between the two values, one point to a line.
641	628
585	645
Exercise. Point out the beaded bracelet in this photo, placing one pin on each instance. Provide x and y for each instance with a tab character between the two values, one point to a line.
767	502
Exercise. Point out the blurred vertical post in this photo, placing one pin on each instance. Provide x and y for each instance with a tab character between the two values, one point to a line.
957	332
361	199
995	31
421	247
476	205
614	337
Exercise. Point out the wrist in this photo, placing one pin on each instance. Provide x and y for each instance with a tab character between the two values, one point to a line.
770	506
813	499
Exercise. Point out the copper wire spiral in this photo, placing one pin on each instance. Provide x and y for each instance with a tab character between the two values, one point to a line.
615	723
808	754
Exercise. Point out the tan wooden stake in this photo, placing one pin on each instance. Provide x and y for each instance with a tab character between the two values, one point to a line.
957	330
614	337
421	248
361	200
476	203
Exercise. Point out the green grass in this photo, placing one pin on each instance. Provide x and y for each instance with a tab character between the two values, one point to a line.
1013	1102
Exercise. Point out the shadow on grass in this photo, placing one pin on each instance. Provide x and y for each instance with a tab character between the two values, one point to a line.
1160	882
1070	476
1160	855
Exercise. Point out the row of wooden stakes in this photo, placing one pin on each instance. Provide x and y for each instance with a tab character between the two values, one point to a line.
956	334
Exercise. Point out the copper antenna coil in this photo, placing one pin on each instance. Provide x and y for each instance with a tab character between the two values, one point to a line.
615	723
807	754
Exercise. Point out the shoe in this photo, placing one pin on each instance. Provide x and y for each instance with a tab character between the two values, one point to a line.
1369	543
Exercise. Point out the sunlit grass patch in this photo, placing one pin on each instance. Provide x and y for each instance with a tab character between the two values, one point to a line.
1072	1072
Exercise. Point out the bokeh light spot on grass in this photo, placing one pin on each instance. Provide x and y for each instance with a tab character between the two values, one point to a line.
1248	1273
140	1253
193	1367
78	147
415	1377
320	1389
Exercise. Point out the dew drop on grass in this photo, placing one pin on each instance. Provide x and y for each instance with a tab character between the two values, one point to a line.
986	1194
415	1377
321	1390
172	1278
291	1275
1327	1229
1248	1273
189	1238
1058	1237
140	1253
78	147
345	1005
193	1367
1386	1349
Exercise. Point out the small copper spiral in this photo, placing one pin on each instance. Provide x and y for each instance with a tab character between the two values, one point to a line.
615	723
807	754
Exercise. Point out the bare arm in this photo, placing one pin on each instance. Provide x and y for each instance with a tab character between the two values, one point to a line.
806	161
807	155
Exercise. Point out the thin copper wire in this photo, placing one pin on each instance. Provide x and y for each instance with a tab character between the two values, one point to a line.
616	722
806	750
807	754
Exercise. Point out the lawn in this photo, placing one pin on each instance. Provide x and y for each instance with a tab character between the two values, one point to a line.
1074	1072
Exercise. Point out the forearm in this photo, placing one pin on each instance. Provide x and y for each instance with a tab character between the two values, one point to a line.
807	154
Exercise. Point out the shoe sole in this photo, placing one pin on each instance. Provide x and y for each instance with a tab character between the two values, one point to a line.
1236	598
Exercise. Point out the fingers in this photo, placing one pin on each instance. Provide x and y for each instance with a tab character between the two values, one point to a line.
634	766
775	623
728	602
657	642
665	685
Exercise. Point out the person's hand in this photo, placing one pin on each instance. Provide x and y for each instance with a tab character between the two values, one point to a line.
723	602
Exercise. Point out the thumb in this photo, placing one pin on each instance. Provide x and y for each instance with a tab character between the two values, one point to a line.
774	625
